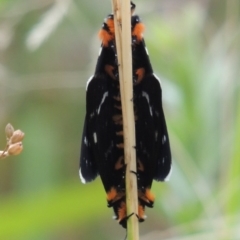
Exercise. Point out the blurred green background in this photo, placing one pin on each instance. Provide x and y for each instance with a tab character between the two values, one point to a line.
48	50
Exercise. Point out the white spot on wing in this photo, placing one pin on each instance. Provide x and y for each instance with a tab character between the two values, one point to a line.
144	94
103	99
92	115
81	177
85	141
167	178
164	139
95	137
146	51
100	51
88	81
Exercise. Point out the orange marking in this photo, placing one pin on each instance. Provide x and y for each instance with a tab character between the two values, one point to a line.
118	107
111	194
149	195
117	119
107	36
138	31
135	114
140	72
119	164
140	165
122	211
110	23
120	133
109	70
141	213
120	145
117	98
142	196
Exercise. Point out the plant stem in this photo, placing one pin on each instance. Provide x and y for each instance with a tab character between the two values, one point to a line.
122	21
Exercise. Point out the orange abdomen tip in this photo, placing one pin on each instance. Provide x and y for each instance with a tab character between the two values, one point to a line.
149	195
122	211
141	213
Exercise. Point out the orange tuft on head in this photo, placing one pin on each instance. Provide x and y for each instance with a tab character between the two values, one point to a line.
138	31
106	34
105	37
110	24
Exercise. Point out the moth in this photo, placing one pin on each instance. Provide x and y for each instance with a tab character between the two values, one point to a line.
102	149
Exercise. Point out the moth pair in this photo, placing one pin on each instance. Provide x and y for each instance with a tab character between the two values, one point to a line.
102	150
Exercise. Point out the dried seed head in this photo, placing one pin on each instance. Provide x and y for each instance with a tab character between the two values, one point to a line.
9	130
17	136
15	149
3	154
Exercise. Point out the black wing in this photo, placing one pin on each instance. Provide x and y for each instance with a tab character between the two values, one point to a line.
102	140
153	145
152	141
97	91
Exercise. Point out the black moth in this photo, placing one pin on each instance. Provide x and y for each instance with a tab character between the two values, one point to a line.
102	140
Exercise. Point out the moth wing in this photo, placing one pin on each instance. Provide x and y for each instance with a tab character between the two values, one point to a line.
96	93
161	157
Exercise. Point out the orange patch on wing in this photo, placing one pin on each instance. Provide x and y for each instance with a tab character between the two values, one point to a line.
138	31
120	133
117	98
118	107
120	145
140	166
117	119
119	164
109	70
140	72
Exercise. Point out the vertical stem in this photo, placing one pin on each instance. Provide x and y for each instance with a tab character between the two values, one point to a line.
123	37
